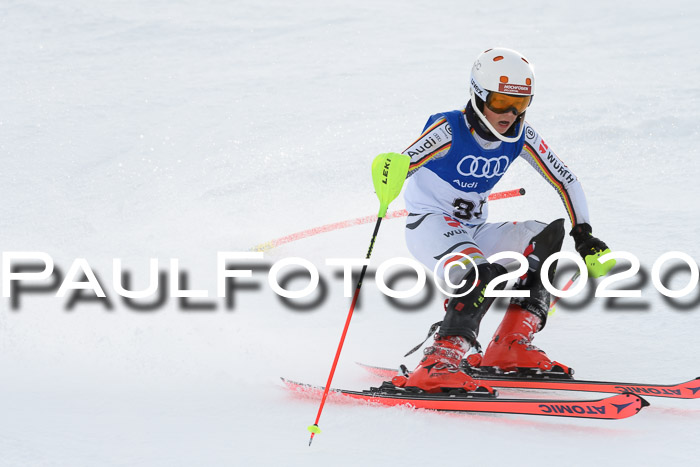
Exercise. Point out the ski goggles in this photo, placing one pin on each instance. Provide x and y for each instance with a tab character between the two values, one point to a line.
503	103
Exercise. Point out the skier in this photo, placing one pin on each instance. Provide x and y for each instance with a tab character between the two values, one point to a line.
455	164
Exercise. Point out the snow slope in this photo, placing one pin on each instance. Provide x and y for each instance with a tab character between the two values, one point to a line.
157	129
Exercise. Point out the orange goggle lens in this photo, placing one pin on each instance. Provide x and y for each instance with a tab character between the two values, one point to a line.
502	103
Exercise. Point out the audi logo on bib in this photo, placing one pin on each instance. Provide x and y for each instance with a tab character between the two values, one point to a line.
481	167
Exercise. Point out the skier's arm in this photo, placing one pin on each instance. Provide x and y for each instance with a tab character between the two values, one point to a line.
536	152
552	169
433	143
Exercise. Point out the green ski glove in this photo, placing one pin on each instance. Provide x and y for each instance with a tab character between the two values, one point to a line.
591	248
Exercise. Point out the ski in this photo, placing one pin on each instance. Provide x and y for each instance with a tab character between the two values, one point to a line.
610	408
688	390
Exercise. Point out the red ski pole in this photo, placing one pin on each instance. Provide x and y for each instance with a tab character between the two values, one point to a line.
388	174
507	194
358	221
566	287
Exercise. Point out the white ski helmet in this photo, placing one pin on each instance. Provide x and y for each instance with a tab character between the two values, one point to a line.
506	75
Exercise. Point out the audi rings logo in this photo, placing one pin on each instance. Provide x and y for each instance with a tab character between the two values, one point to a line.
480	167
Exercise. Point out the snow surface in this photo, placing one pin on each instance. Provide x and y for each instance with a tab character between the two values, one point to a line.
176	129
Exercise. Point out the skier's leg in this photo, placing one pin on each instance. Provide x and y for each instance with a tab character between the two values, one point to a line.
464	314
511	346
432	238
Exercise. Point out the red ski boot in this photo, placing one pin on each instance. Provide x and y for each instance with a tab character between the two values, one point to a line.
440	367
511	347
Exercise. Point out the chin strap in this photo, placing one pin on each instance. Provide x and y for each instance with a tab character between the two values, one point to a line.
476	123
